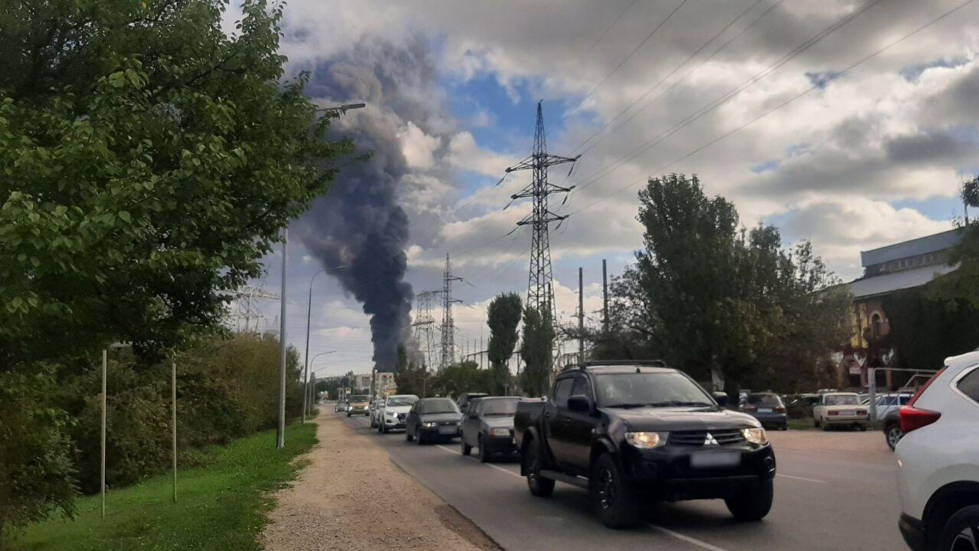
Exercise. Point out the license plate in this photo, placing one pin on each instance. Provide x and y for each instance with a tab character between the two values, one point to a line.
708	460
848	413
448	430
764	410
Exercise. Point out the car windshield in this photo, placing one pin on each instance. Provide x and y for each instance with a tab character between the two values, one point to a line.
842	400
401	401
442	405
500	407
663	389
358	398
763	400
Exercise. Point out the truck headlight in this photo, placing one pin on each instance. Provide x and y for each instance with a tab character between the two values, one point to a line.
429	425
756	436
646	440
500	432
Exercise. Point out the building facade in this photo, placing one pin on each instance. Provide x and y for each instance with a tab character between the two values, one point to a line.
887	270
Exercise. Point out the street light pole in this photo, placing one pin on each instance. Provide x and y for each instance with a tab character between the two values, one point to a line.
280	436
309	310
309	365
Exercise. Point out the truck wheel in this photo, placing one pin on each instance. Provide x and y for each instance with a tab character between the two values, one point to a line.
616	499
961	531
754	504
466	448
539	486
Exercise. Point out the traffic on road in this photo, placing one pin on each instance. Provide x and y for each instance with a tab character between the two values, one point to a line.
633	441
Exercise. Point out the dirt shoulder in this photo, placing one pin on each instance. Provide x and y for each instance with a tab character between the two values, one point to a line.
352	497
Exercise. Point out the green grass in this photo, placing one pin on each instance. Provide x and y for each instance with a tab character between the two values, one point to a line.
221	506
801	424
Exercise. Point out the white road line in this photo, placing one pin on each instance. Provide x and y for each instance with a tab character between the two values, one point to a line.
804	479
501	469
667	531
688	539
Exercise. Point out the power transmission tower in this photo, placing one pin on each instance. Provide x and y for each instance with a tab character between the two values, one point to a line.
424	325
246	307
540	287
447	356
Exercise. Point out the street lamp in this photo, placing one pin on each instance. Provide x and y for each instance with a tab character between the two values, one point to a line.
280	437
309	310
307	388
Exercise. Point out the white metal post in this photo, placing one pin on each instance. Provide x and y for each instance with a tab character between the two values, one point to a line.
872	391
173	422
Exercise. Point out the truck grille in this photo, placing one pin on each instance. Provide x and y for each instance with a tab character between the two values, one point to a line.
723	437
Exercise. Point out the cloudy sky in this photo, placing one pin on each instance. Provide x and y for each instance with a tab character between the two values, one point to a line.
847	122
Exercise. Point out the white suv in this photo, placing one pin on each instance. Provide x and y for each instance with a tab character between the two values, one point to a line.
938	460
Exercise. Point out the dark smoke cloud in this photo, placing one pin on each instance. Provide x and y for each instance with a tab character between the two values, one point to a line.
360	223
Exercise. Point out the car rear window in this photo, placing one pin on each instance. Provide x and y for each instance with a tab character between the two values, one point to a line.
842	400
969	385
500	407
764	400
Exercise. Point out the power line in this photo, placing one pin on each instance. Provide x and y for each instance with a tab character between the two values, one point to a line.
678	67
784	103
725	98
632	53
607	29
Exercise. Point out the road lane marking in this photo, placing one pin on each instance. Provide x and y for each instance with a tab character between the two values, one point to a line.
474	459
804	479
688	539
667	531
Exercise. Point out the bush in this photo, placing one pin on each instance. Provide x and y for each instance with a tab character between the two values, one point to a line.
35	469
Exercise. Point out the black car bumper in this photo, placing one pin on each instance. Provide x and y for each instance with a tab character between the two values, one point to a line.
436	434
668	474
500	444
913	531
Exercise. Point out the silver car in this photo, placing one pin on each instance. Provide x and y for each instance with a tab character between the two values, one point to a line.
488	426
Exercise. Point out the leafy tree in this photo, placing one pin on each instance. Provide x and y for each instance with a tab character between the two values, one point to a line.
962	285
462	377
410	377
149	161
717	299
503	318
536	351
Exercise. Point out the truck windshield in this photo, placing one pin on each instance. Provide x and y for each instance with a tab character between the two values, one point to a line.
649	390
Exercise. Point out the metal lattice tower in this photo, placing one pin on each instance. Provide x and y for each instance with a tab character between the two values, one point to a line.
246	307
447	355
540	287
424	325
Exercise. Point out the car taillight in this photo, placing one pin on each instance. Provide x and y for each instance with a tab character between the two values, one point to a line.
750	408
914	418
780	409
861	412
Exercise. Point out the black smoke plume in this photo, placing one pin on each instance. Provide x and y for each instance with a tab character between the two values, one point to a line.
360	223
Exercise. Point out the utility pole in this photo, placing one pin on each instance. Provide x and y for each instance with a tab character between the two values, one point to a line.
581	317
105	365
280	433
309	311
540	285
448	325
173	421
604	297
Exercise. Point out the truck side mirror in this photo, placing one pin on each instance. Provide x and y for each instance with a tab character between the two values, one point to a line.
721	398
579	403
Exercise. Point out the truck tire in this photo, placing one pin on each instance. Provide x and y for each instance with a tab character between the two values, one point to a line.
614	497
466	448
752	505
960	529
539	486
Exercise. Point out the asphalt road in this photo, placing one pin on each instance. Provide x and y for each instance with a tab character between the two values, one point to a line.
823	500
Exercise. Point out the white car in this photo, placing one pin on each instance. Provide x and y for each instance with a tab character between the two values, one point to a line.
394	412
938	460
838	409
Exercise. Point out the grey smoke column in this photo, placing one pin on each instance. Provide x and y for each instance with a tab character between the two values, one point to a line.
360	223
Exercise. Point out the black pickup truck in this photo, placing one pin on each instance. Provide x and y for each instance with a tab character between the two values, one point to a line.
631	433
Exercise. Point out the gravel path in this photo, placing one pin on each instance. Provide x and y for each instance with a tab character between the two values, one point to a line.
351	497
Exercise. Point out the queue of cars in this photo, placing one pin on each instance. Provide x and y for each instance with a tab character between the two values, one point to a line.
635	432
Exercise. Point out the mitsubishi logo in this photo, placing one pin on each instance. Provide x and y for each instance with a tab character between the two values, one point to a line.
710	440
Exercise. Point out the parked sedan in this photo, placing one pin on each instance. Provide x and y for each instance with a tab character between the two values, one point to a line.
840	409
892	428
488	426
768	408
433	419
